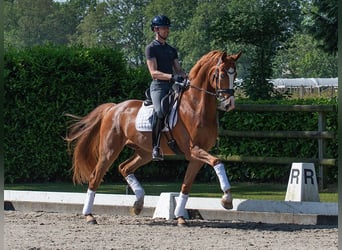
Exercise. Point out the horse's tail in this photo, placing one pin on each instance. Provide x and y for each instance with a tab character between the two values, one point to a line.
83	139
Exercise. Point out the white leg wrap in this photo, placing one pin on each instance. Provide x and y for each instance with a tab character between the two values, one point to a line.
180	207
89	202
222	176
135	186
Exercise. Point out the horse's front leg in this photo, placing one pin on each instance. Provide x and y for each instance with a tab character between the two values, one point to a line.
204	156
227	199
190	175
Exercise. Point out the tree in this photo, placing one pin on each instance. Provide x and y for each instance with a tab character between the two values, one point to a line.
25	27
196	38
61	24
130	28
11	27
115	23
96	27
323	25
300	57
264	25
30	22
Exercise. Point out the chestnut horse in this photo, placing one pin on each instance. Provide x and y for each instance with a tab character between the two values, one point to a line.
98	138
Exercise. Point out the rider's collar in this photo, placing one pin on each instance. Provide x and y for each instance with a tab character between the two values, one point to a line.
159	42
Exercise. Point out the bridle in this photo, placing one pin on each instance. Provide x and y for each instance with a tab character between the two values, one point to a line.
217	78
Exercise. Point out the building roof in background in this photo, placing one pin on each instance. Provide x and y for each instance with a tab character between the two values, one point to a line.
304	82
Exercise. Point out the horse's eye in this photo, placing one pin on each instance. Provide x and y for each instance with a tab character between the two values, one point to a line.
222	75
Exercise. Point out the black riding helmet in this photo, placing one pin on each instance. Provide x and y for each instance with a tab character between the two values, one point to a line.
160	21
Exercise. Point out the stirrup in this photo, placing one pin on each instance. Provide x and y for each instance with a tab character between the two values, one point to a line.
156	155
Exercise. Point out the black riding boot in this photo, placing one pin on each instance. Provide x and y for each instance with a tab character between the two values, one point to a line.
157	126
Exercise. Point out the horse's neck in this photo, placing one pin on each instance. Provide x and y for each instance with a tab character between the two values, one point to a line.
199	105
199	98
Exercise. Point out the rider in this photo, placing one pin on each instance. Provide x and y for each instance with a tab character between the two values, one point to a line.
164	67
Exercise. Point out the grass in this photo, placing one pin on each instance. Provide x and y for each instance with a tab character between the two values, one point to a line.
259	191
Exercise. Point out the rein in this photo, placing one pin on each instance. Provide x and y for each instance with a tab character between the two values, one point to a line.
204	90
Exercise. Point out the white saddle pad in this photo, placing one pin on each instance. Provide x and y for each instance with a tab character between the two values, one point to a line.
143	121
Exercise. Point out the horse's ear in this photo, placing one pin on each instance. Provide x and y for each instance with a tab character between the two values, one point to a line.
236	56
223	56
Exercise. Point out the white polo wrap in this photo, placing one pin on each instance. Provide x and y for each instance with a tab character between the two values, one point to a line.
180	207
222	176
89	202
135	186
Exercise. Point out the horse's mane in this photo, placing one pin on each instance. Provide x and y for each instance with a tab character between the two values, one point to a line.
206	61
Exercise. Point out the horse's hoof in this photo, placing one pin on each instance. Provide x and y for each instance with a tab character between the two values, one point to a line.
137	207
226	204
90	219
181	222
92	222
227	201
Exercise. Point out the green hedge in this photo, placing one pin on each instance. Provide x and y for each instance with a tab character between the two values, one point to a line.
43	83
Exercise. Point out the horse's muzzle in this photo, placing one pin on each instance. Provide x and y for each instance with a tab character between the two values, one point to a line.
227	104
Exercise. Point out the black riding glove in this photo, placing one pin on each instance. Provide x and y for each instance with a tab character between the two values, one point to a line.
177	78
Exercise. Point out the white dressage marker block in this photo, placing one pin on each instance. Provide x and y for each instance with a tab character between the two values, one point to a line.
166	206
302	185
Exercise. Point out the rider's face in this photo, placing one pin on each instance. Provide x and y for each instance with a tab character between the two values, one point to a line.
163	31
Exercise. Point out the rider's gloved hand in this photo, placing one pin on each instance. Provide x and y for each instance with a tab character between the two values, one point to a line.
177	78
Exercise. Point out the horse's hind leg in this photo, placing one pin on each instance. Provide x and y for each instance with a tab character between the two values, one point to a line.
127	170
108	155
95	179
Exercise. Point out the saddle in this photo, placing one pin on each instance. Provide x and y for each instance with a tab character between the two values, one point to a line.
169	106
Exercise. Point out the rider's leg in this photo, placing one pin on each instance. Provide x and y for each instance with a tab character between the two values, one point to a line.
157	125
158	90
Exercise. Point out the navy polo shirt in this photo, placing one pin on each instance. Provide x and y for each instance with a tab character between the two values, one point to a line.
164	54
